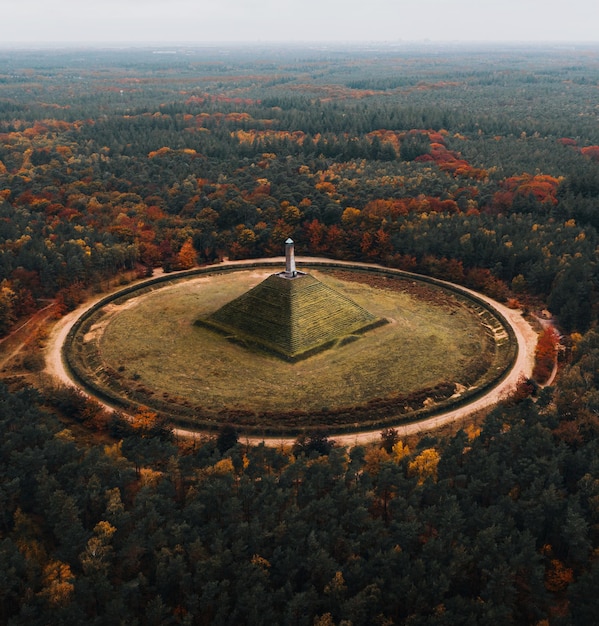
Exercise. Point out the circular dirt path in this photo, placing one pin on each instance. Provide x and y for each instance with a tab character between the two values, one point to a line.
522	368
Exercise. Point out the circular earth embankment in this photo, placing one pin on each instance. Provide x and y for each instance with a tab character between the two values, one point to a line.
442	348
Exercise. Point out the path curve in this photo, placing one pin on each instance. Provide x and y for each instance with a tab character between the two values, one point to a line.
526	338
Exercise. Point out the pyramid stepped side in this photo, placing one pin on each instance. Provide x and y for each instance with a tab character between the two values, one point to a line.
292	317
262	314
319	314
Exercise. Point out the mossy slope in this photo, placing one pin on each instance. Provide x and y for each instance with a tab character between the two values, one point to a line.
292	317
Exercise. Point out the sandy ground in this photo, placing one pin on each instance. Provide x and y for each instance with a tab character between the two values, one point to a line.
525	335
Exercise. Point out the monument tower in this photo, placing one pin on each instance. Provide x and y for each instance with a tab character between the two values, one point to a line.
290	269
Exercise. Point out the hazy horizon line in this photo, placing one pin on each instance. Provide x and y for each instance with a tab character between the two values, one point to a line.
58	44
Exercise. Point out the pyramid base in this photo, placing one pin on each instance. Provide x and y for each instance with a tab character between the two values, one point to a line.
292	315
246	341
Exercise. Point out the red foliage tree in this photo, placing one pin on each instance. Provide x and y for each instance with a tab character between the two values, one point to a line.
545	355
592	152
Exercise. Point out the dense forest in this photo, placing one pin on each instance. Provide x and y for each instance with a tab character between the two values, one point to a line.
475	165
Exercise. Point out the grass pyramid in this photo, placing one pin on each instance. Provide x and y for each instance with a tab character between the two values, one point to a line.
293	317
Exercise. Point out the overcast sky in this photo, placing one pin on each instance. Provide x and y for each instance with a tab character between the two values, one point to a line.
199	21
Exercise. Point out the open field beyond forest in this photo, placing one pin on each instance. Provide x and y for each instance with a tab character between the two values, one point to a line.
147	350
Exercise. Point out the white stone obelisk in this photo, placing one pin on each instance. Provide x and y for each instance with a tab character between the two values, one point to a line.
290	270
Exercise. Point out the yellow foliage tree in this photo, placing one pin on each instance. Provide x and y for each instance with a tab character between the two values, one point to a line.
425	465
98	551
351	217
473	431
148	476
292	215
246	236
221	468
336	585
114	451
400	450
57	583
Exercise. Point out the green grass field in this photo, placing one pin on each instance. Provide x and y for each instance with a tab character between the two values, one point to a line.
147	348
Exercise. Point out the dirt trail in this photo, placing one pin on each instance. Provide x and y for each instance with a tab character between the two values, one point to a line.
14	342
55	367
525	336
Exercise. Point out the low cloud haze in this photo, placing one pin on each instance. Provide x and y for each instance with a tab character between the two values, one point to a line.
193	21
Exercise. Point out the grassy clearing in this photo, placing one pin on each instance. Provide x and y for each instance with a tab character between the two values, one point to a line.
149	344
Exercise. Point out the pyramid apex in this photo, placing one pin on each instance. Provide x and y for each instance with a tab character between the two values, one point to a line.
289	240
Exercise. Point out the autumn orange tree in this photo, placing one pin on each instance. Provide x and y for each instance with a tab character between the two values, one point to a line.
187	256
545	354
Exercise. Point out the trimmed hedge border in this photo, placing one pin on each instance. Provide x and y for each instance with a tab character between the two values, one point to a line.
183	416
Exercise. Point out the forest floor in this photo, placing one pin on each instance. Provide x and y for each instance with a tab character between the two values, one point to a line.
525	335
